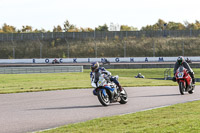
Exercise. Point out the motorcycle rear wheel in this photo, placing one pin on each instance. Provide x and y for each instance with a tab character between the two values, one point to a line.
124	98
104	100
181	88
191	91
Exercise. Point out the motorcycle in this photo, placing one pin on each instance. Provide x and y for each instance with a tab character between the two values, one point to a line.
140	76
55	61
108	92
105	61
184	80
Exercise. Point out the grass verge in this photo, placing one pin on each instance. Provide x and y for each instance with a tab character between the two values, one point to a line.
182	118
13	83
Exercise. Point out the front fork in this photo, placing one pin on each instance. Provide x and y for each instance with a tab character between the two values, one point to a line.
184	84
103	90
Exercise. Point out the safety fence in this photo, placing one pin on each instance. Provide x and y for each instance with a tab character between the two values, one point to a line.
97	35
45	69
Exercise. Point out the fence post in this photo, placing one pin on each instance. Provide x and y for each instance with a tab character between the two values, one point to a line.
67	48
95	48
73	35
52	35
153	48
40	47
124	48
125	44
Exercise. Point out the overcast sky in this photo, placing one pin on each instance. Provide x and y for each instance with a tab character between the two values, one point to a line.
92	13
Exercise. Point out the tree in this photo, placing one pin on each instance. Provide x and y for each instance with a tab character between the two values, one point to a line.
57	29
8	29
192	26
86	29
161	24
127	28
75	29
26	28
102	28
197	23
175	26
40	31
68	26
151	27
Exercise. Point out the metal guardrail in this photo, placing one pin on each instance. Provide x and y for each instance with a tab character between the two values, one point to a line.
49	69
167	74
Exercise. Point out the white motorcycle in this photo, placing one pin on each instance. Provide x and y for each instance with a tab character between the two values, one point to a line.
108	92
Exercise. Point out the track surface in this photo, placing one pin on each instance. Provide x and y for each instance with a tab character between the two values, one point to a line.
27	112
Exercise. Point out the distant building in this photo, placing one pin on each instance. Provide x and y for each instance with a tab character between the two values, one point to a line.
114	27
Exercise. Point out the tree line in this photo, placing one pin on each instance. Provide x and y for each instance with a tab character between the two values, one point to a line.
68	27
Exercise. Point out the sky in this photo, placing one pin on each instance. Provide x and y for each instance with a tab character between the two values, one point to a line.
91	13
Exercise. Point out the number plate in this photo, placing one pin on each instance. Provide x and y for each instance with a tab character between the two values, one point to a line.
180	75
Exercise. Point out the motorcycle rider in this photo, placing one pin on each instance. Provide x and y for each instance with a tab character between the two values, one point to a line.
180	61
97	71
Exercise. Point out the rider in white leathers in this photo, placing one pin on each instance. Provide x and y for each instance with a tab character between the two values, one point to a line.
97	71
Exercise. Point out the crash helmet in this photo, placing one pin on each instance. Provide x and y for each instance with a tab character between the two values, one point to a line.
180	60
94	66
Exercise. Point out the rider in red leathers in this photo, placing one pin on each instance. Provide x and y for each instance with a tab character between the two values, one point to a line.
181	61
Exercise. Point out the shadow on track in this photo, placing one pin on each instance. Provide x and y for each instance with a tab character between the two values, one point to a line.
73	107
162	95
165	95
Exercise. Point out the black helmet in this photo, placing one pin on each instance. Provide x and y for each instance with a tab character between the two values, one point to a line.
180	60
94	66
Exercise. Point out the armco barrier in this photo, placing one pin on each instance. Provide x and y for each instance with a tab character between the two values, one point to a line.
140	66
44	69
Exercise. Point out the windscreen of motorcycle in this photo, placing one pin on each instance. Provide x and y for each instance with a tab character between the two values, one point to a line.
181	68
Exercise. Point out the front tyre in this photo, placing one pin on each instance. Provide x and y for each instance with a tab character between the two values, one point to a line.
103	97
181	88
124	97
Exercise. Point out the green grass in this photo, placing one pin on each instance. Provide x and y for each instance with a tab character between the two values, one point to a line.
180	118
177	118
13	83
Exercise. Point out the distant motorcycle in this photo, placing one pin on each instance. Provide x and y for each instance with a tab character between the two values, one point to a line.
188	60
184	80
108	92
105	61
55	61
140	76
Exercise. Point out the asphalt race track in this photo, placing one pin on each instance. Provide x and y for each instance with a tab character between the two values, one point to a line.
28	112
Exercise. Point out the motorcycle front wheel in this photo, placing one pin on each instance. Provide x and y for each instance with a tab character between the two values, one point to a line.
103	97
181	88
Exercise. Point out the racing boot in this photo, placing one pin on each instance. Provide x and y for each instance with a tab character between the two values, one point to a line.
192	76
193	80
174	79
94	92
121	89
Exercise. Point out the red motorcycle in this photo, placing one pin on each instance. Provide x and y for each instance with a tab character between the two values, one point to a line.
184	80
